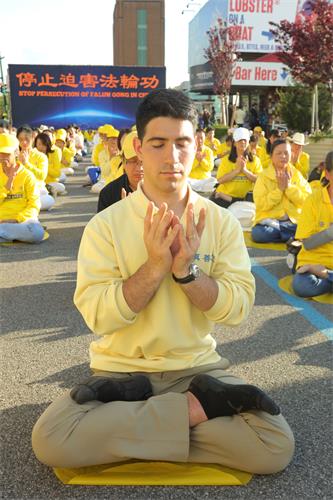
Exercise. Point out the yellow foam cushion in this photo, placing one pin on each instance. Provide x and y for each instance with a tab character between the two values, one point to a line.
286	285
8	243
137	472
270	246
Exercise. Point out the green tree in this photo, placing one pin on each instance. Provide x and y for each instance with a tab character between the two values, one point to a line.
295	106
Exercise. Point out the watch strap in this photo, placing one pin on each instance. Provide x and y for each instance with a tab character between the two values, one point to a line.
187	279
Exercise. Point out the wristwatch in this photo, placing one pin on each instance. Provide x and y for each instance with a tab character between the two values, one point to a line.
194	273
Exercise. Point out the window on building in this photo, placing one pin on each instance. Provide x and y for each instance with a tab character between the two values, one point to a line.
142	49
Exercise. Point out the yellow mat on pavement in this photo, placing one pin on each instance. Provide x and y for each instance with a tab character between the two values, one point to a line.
268	246
9	243
153	473
286	285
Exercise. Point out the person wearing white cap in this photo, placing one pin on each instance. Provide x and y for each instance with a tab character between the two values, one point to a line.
279	195
237	172
128	182
299	158
19	197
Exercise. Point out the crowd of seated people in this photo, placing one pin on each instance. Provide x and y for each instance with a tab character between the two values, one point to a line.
274	174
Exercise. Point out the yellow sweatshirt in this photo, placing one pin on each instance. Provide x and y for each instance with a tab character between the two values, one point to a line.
272	203
116	169
303	164
223	149
67	155
317	215
54	169
264	157
105	163
262	141
89	136
240	185
202	169
170	333
213	145
95	153
38	165
22	201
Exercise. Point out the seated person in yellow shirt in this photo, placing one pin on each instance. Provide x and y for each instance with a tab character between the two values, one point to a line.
67	154
93	171
200	177
314	274
128	182
105	157
44	145
299	158
156	271
265	153
88	139
224	149
254	147
36	162
211	141
279	195
260	134
19	197
237	172
99	146
116	163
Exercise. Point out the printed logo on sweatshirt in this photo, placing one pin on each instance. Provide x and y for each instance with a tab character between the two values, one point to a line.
204	257
14	196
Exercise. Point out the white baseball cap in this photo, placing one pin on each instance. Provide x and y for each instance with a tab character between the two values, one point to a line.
241	133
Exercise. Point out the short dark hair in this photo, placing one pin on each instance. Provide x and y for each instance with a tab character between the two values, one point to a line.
329	161
4	123
254	138
278	142
200	131
328	167
275	133
122	132
24	128
167	103
209	129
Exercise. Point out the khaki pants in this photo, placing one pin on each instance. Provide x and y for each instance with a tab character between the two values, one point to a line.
72	435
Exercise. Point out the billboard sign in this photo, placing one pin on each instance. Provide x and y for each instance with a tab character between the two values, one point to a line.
86	95
246	73
249	20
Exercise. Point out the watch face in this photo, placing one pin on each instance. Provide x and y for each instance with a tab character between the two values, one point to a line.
194	270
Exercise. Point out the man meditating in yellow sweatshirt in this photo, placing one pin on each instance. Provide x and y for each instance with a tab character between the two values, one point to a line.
155	272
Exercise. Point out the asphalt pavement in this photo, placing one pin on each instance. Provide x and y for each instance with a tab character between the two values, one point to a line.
283	347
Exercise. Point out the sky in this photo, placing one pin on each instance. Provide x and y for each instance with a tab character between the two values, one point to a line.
80	32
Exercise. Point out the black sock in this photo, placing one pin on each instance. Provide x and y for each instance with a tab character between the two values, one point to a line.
107	389
219	399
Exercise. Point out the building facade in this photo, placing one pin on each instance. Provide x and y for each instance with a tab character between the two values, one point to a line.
258	72
138	33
